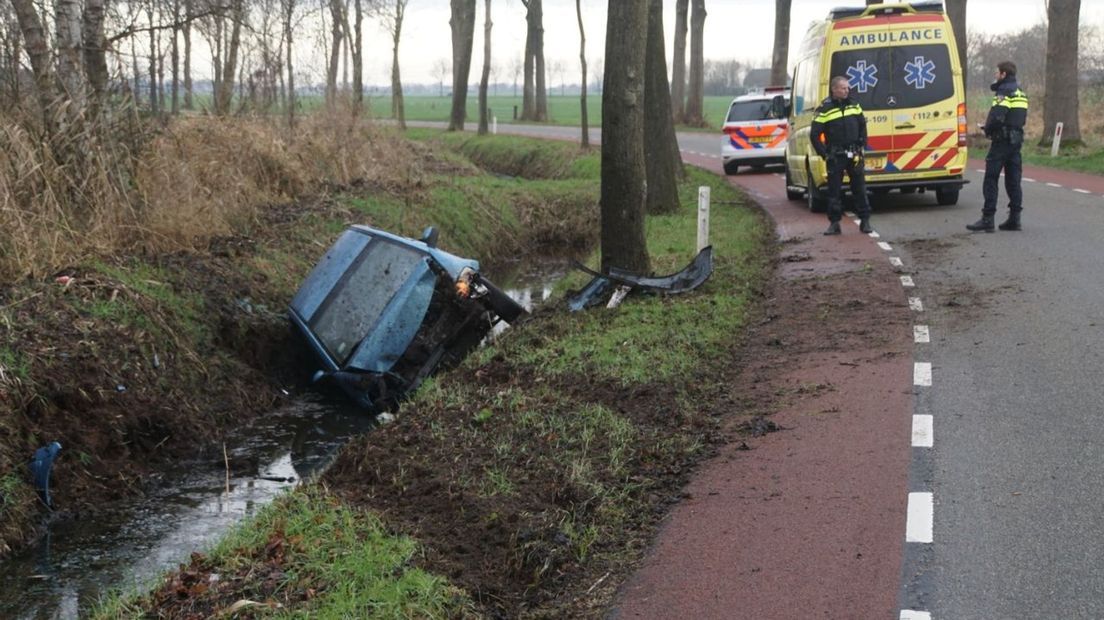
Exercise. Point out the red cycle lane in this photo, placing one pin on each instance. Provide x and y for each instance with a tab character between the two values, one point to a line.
810	522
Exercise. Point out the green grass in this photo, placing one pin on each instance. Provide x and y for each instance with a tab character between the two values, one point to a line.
1085	158
562	110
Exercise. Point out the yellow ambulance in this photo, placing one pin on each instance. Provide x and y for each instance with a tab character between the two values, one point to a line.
902	64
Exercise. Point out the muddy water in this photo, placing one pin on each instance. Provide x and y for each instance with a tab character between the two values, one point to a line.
189	508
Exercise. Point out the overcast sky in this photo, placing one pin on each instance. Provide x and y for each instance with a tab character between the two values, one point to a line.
741	29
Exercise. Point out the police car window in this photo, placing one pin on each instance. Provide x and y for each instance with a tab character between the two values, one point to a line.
749	111
887	78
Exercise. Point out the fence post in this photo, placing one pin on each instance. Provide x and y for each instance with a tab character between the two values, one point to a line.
494	124
703	217
1057	139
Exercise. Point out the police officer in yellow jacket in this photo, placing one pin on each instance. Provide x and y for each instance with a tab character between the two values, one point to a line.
838	133
1005	127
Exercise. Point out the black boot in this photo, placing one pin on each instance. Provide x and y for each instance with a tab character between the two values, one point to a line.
833	229
864	225
1012	223
985	223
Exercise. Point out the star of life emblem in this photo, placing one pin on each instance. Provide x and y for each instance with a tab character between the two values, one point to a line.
862	77
920	72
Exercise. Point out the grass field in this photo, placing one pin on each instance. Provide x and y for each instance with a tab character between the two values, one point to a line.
564	110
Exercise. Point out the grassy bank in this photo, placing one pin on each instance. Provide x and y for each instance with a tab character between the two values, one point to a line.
528	481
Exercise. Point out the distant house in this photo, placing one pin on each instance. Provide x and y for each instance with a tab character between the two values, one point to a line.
760	78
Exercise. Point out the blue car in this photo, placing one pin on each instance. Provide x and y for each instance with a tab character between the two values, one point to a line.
382	312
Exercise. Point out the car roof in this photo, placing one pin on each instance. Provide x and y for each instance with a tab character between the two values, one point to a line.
766	94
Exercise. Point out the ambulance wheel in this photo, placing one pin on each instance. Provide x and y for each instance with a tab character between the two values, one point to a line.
946	197
792	194
813	198
731	167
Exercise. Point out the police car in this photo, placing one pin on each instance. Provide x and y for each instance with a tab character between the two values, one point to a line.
756	129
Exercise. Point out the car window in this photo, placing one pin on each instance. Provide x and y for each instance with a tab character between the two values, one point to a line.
907	76
750	111
358	300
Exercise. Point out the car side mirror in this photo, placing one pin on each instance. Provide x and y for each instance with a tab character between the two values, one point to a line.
429	236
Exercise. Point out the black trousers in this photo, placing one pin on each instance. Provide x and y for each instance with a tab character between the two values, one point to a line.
1003	155
838	163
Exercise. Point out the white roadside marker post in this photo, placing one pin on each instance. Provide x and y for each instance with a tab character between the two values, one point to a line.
1057	139
703	217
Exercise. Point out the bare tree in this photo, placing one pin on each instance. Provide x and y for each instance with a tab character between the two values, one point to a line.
337	17
230	66
189	12
661	152
95	52
779	62
463	37
583	81
516	66
483	122
678	68
956	12
624	184
1061	105
696	94
68	43
391	13
288	15
38	50
358	57
441	71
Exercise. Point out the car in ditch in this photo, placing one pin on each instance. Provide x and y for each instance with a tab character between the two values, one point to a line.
381	312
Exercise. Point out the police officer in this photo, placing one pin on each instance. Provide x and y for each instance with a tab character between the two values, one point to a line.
838	133
1005	128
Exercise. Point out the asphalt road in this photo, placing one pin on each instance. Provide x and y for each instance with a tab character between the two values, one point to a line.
1016	324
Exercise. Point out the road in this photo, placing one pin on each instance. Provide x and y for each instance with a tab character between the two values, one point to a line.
1008	490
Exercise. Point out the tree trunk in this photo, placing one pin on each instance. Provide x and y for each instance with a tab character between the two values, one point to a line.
289	13
582	82
956	12
67	36
358	58
486	77
95	57
696	94
780	59
1060	105
230	68
528	106
154	100
398	110
336	8
540	95
38	50
175	60
189	102
661	152
624	184
678	65
463	36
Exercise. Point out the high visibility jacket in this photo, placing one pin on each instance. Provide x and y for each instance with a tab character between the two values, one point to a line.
838	124
1009	110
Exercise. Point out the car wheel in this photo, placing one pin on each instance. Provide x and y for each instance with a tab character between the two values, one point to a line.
946	196
731	167
792	194
813	197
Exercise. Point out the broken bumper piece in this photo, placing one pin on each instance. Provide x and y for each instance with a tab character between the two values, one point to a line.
691	277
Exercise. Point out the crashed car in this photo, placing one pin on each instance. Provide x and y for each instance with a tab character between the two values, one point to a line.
382	312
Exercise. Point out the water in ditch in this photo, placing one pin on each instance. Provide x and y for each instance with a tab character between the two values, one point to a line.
190	507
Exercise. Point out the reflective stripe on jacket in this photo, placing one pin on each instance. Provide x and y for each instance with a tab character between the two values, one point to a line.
837	124
1009	109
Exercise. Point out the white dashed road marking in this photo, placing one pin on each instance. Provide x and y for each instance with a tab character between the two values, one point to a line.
923	435
921	334
896	261
1029	179
885	246
916	304
920	518
907	281
1081	191
922	374
873	234
912	614
1053	185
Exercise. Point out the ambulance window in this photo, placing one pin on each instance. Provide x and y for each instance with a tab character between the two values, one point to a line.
922	75
869	72
749	111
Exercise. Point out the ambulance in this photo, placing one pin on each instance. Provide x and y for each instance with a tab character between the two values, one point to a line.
902	64
756	129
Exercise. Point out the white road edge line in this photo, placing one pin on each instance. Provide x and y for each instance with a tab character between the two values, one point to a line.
1081	191
873	234
922	373
921	518
923	435
1053	185
912	614
885	246
921	334
916	304
1028	179
907	281
896	261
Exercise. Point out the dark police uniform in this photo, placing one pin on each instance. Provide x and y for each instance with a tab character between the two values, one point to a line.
1005	127
838	133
